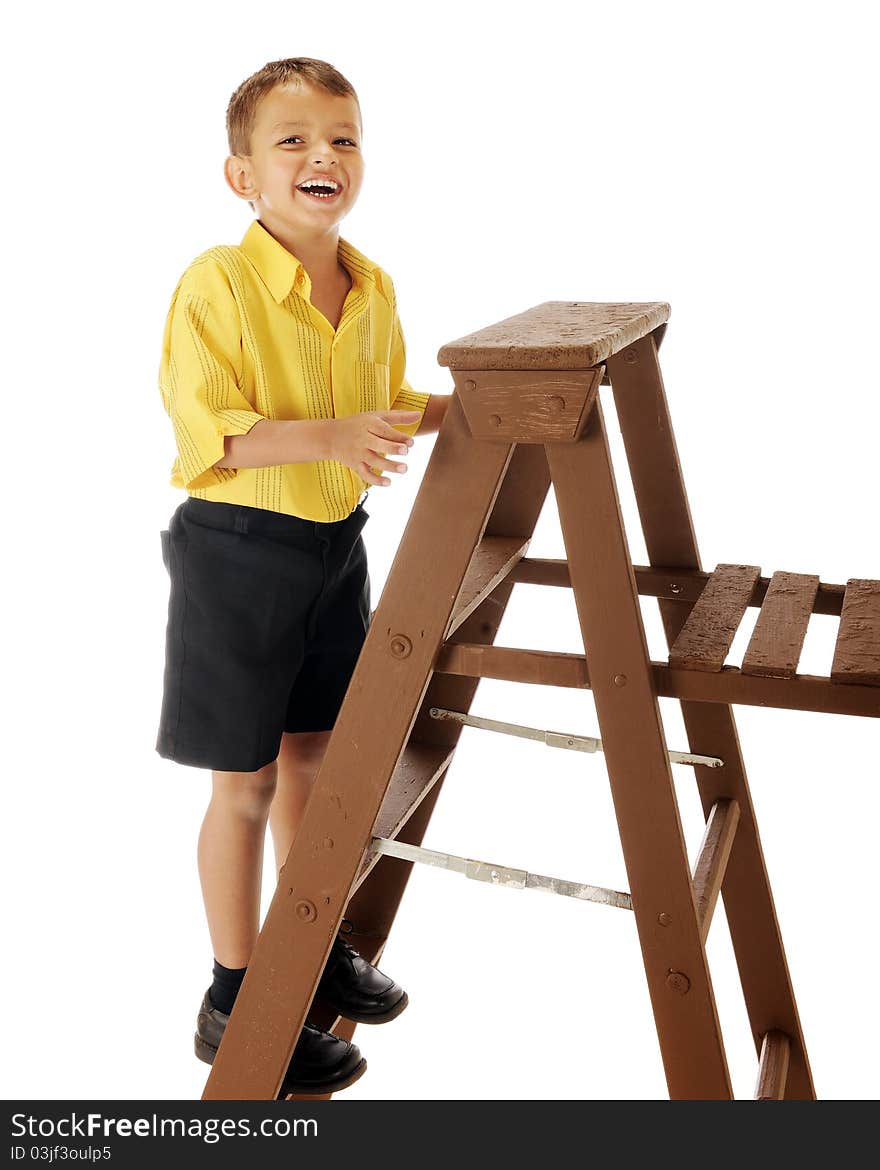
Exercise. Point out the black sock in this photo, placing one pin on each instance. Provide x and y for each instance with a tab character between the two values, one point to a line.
224	989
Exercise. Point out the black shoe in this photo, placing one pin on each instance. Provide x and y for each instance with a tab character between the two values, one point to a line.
355	989
321	1063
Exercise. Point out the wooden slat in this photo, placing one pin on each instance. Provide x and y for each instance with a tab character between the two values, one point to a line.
777	640
712	859
708	633
494	557
419	768
556	335
857	651
773	1070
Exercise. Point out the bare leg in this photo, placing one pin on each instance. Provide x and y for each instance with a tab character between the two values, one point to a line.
230	856
298	762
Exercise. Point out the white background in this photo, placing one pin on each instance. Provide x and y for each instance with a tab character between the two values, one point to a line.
722	159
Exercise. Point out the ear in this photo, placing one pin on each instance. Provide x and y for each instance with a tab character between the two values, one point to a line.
239	176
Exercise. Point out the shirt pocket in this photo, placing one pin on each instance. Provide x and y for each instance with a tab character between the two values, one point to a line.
373	382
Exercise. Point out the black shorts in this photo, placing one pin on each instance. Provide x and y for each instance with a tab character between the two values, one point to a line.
267	615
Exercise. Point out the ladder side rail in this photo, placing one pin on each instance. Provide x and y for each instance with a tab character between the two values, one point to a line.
661	497
374	905
458	491
658	870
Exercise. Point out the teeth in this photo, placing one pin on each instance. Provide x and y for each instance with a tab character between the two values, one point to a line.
310	184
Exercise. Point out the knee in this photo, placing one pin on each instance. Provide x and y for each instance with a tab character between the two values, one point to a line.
302	752
248	794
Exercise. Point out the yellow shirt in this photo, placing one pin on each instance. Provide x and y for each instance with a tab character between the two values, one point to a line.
243	342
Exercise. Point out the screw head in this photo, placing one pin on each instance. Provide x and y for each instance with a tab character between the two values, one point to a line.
620	680
305	911
678	982
630	357
401	647
470	384
664	919
555	404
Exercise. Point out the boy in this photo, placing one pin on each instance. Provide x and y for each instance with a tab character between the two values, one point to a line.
283	373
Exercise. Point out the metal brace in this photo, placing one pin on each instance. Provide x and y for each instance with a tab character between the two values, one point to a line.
560	739
500	875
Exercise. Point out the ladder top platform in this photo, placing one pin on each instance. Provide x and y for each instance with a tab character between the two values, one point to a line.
557	335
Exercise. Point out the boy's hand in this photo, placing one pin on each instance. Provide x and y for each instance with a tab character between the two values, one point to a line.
361	441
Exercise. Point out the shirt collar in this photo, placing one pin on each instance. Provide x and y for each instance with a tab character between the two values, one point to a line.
279	268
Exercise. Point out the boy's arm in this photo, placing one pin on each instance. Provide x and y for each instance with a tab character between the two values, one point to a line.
200	373
401	394
274	441
434	414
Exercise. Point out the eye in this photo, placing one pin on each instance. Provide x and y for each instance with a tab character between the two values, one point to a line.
297	137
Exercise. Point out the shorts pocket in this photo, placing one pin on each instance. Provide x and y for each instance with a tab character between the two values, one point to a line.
213	516
165	537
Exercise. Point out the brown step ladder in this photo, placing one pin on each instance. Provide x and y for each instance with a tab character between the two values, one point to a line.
526	412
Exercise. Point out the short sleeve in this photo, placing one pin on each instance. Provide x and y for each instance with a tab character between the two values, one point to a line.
401	394
200	377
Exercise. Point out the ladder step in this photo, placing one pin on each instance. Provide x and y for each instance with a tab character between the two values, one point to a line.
778	637
857	651
706	637
501	875
712	860
773	1069
494	558
419	768
555	335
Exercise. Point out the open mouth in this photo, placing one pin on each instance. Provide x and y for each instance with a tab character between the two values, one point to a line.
325	192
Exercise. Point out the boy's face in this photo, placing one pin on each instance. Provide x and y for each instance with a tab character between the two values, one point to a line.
300	132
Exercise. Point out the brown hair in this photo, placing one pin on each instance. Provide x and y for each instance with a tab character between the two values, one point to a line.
242	108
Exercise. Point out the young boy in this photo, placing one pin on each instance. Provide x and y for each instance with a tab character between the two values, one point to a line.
283	373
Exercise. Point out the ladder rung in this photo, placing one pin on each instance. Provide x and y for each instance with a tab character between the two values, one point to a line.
773	1069
552	668
706	637
857	650
712	859
778	637
501	875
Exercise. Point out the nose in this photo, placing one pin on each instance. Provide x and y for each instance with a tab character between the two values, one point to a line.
320	156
